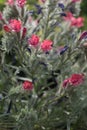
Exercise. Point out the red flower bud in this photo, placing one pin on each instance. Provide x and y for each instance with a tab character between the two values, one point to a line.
24	32
6	28
27	85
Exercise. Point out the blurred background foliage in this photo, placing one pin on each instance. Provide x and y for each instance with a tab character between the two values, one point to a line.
84	7
84	12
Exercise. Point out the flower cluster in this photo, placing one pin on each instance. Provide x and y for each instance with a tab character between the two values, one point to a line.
46	45
20	3
76	22
13	25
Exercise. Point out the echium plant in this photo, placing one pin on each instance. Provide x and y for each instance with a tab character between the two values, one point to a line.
43	65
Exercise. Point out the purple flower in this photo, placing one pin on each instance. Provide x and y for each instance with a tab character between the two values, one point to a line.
39	8
63	50
61	6
83	35
63	14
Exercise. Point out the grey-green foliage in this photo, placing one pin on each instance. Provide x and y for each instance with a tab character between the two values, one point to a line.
48	106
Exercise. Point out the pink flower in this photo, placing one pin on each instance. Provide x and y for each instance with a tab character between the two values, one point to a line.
68	16
76	22
6	28
10	2
46	45
80	21
74	80
76	1
34	40
27	85
15	25
21	3
73	21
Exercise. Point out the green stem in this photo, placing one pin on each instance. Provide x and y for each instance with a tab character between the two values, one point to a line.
46	26
68	125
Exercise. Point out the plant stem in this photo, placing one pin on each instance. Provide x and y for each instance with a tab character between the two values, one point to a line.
68	125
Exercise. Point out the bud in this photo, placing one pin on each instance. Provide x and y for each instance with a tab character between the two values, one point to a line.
27	85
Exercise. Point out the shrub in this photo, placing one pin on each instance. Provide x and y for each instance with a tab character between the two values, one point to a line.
43	65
